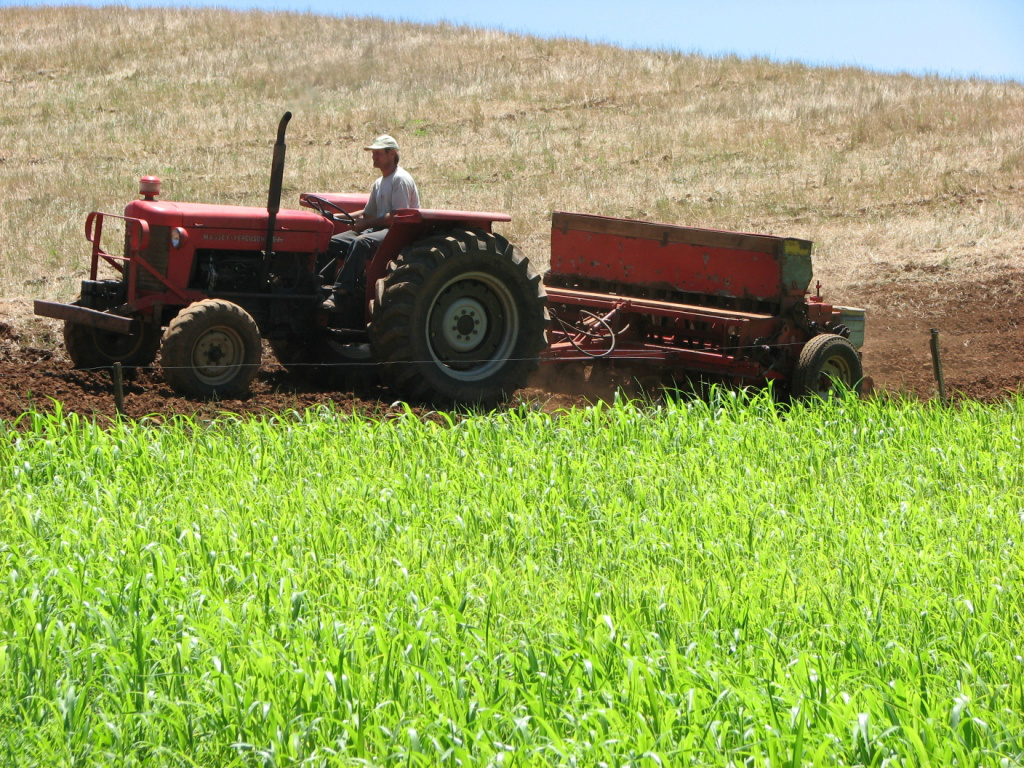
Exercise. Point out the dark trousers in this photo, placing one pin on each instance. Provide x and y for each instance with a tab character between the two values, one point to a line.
355	249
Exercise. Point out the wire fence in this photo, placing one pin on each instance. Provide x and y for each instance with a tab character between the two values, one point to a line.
621	355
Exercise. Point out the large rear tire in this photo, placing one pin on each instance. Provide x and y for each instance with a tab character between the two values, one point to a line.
459	318
90	347
212	348
826	362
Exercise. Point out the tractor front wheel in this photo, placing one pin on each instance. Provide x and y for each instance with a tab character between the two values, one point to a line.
90	347
459	318
212	348
826	362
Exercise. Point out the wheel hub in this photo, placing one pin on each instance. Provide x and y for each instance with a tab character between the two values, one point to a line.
464	324
216	354
834	369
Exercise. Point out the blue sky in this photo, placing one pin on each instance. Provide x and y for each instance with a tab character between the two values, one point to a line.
982	38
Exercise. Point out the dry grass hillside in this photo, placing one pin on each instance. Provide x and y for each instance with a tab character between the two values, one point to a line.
898	179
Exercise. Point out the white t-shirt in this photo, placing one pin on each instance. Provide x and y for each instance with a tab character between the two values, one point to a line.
390	193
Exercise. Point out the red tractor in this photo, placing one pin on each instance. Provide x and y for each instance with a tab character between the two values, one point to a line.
452	312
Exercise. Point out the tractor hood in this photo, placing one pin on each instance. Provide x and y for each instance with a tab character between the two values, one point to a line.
201	216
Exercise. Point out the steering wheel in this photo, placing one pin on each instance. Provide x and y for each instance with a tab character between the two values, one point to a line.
320	205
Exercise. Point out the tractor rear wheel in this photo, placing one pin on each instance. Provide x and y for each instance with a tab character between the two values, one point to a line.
90	347
459	318
826	362
212	348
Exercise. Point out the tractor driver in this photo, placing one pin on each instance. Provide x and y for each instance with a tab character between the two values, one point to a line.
393	190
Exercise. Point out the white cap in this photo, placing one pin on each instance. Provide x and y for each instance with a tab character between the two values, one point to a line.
384	142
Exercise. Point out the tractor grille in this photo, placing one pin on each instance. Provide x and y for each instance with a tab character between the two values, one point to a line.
156	255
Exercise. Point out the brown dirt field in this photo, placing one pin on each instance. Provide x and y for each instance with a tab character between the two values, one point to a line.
981	335
981	326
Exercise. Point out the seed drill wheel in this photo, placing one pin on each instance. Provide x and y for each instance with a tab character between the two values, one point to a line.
212	348
95	348
825	362
459	318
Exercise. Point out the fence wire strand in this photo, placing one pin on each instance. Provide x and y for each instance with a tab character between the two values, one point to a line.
620	356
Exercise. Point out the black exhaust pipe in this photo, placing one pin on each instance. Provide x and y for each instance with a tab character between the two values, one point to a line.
274	198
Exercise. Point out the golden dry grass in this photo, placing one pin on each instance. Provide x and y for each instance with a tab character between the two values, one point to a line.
890	174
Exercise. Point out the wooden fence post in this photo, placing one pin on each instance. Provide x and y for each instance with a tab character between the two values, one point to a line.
118	378
937	365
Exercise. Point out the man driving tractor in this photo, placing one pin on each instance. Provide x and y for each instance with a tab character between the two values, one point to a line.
394	189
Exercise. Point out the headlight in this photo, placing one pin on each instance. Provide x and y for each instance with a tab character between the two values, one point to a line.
178	237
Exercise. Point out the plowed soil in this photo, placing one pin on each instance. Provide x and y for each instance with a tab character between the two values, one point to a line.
980	324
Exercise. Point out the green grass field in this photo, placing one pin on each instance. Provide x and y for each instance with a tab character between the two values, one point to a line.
720	583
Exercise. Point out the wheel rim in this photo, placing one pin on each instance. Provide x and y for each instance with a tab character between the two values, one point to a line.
217	355
473	326
834	369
